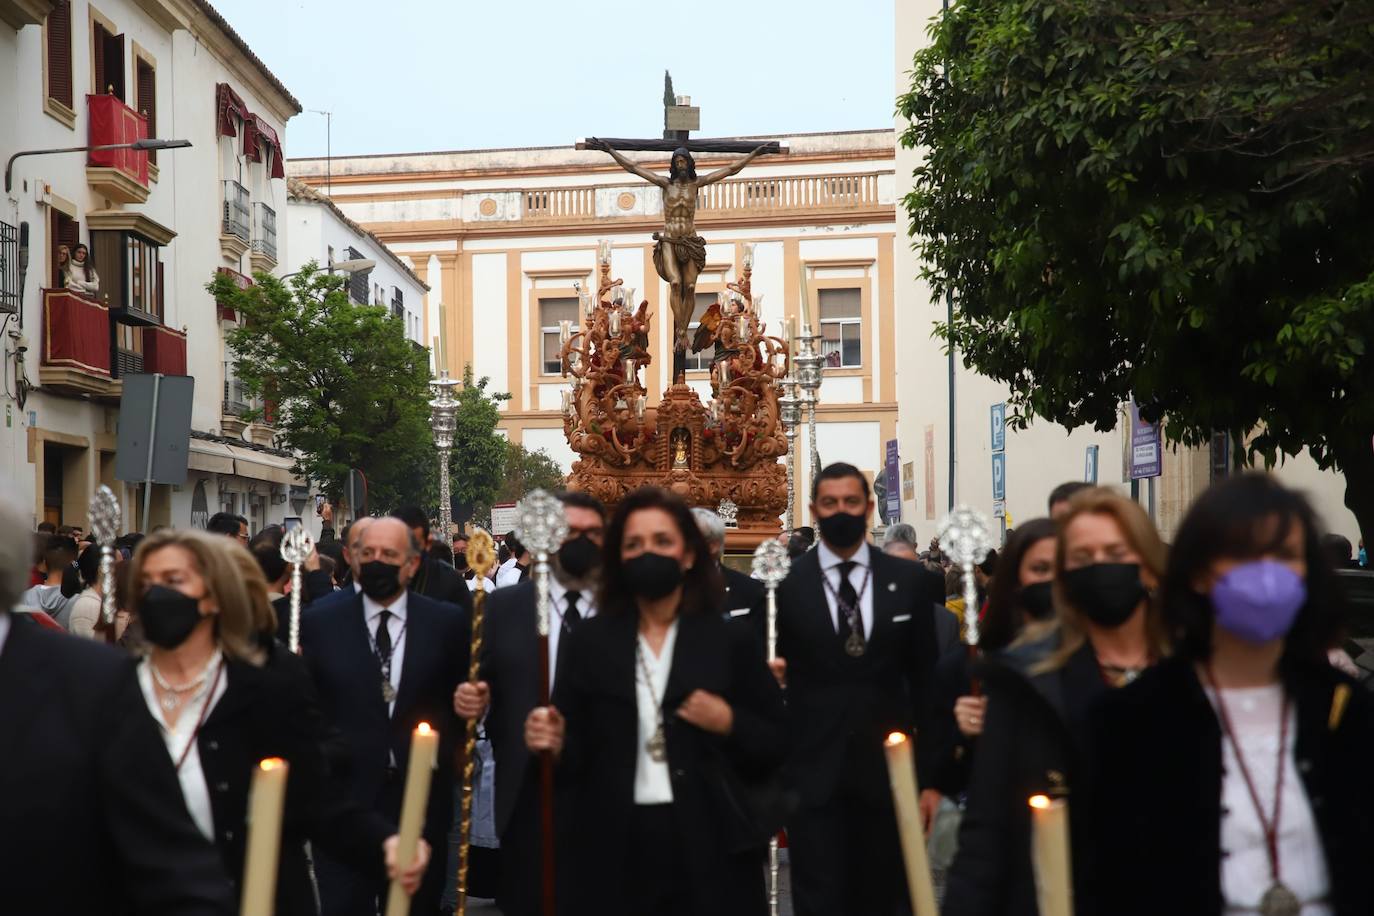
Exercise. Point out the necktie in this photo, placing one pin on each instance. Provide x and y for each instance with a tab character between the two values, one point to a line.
382	639
572	616
848	599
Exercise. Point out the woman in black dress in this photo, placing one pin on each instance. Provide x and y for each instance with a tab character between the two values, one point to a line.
666	722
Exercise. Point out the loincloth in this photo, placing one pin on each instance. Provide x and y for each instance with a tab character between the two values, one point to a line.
689	248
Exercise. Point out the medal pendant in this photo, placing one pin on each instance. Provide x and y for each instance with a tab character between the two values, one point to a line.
854	645
657	746
388	693
1280	901
170	702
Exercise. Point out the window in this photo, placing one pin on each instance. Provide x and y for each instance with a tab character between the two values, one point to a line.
841	327
145	83
64	231
701	360
9	269
107	55
131	273
128	355
551	311
59	48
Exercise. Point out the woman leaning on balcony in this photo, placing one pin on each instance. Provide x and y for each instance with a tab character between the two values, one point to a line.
80	272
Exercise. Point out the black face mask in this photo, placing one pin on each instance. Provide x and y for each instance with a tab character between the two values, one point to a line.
1037	600
843	529
168	616
460	559
379	579
1106	592
579	556
652	575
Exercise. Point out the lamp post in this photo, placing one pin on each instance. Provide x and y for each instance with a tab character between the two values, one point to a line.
789	414
352	266
443	420
810	366
148	143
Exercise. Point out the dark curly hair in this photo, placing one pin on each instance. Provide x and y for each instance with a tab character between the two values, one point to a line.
1245	517
703	590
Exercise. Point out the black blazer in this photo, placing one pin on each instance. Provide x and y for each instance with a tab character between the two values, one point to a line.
337	649
438	580
1159	790
510	665
841	708
93	819
1035	741
271	711
316	585
596	694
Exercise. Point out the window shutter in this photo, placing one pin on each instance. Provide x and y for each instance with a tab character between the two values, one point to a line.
60	53
147	100
161	290
98	36
114	67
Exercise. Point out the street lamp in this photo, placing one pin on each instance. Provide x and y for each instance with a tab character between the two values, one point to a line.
353	266
147	143
443	421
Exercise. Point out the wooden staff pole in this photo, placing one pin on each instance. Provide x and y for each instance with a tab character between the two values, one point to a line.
481	551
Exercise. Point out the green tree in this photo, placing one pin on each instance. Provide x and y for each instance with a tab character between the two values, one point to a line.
479	454
348	388
523	472
1170	201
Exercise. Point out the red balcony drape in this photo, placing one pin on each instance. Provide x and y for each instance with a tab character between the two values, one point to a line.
111	121
76	332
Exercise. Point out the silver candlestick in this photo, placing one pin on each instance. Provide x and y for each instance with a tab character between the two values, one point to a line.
789	415
541	526
810	368
105	516
443	421
296	548
770	567
965	540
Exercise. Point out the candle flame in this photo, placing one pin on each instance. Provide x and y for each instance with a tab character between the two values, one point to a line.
423	728
271	763
895	739
1040	801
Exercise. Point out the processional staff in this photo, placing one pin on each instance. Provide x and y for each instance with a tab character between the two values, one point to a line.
541	527
481	552
296	548
770	567
964	539
105	514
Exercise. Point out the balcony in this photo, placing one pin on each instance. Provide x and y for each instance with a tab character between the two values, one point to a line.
264	237
119	175
235	232
76	346
164	350
19	13
237	404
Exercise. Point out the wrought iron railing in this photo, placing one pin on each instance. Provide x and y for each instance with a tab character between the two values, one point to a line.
9	269
265	230
237	217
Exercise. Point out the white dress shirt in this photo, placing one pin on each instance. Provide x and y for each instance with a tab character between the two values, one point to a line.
558	606
396	627
508	573
830	569
1245	869
181	737
4	628
487	585
652	783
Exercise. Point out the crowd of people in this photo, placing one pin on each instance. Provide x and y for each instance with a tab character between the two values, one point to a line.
1193	702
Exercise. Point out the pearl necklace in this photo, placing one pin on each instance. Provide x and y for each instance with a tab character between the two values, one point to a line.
172	698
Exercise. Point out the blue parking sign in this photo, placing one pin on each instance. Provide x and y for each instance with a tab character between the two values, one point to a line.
999	475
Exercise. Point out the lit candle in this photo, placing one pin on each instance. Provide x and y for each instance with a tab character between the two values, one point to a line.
567	403
604	251
615	323
584	304
742	326
787	331
639	407
1050	855
749	256
629	370
266	796
564	331
424	748
630	299
756	304
901	773
805	299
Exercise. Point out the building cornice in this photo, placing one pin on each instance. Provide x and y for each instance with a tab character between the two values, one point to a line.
133	221
207	25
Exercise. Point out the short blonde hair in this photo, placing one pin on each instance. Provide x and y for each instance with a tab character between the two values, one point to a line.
1140	532
231	575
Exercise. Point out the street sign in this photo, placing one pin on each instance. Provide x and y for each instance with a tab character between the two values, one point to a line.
894	474
999	476
154	437
909	480
1090	465
999	426
503	518
1146	458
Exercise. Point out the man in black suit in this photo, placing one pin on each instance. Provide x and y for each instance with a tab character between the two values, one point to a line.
857	639
435	578
509	690
93	819
745	596
384	660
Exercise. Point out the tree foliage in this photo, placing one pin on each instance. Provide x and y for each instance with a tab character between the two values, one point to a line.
479	454
349	389
524	472
1159	199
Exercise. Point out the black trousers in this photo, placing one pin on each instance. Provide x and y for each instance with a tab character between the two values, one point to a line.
846	860
656	880
522	873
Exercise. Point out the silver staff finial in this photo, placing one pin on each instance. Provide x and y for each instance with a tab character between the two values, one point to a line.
105	516
965	540
541	526
770	563
296	548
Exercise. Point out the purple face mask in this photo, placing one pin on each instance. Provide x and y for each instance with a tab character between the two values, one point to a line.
1258	601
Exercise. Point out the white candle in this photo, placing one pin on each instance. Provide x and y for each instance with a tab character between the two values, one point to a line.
629	370
567	403
630	299
424	747
266	796
1050	855
639	407
901	773
749	256
742	327
615	324
604	251
564	330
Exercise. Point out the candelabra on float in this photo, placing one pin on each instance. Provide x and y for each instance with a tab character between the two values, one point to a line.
810	365
443	421
789	414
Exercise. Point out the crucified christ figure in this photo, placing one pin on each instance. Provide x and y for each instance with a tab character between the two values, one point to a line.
679	253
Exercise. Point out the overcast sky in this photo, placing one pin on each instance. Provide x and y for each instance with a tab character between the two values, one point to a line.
412	75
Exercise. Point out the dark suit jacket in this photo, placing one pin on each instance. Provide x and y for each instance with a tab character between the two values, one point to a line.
337	649
841	708
596	694
271	711
747	594
440	581
93	819
316	585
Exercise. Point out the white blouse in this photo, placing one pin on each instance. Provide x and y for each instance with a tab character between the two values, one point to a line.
652	783
1245	870
182	735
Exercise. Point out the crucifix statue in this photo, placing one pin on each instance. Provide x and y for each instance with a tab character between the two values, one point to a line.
679	253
